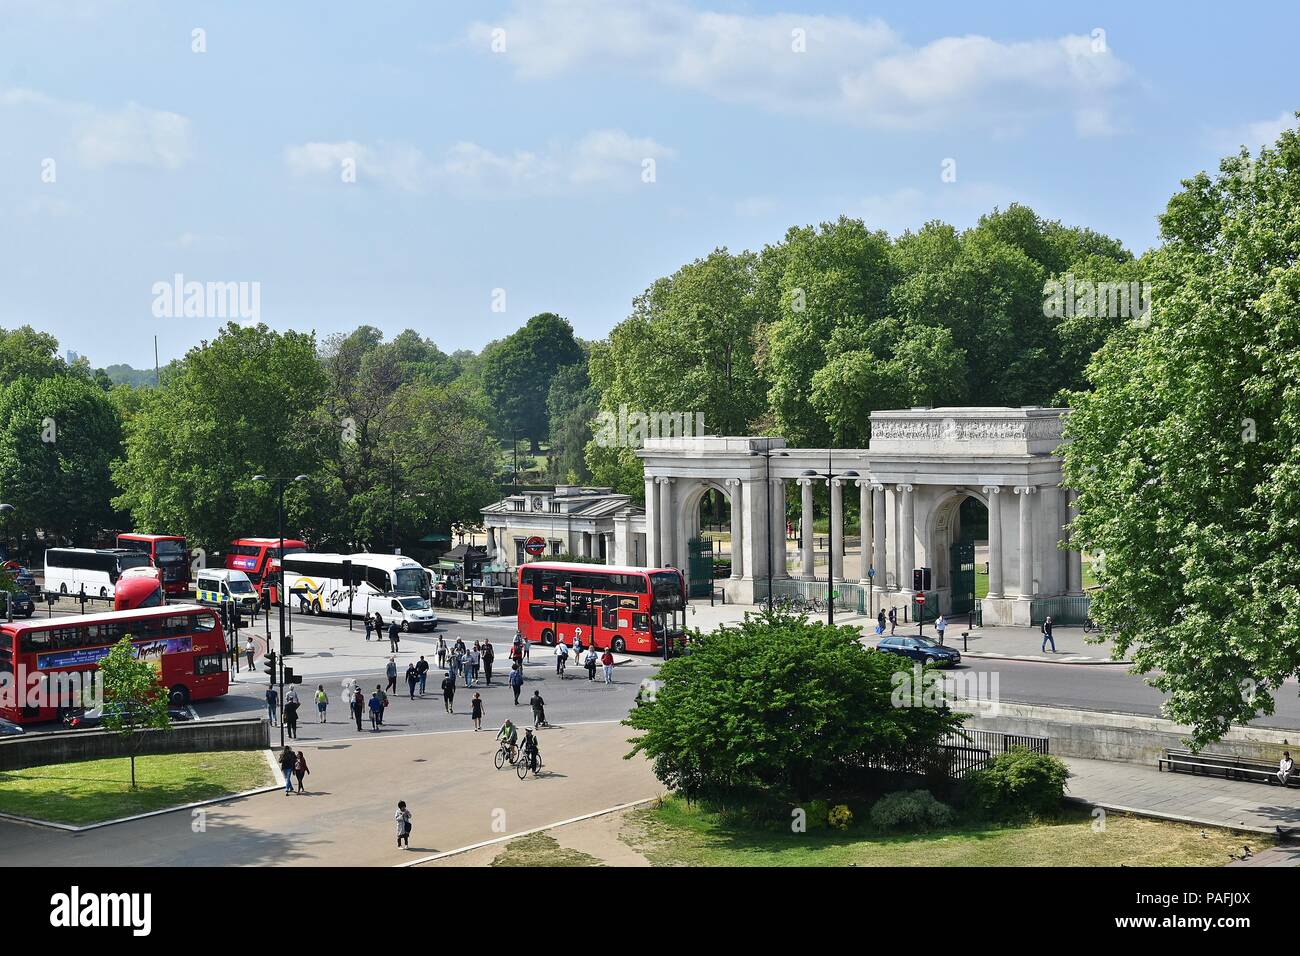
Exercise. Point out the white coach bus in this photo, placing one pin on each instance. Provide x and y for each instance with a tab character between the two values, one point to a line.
68	570
395	586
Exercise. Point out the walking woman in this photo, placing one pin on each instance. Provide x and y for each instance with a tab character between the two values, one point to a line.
403	820
322	701
287	760
369	625
476	711
300	769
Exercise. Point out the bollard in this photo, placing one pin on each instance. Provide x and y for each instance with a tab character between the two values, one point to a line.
964	635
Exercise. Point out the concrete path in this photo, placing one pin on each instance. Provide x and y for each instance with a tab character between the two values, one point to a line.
1212	801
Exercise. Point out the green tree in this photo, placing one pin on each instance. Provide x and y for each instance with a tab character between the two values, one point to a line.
516	374
777	704
26	352
58	437
572	405
1186	452
237	406
133	698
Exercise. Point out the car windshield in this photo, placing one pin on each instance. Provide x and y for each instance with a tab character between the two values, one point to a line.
415	604
240	586
925	642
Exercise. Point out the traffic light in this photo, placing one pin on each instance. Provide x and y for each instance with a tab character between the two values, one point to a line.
225	616
921	579
266	599
568	594
269	665
290	677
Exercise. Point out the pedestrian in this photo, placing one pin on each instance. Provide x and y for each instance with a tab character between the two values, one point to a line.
291	717
291	695
467	668
489	656
394	636
516	680
1285	767
379	626
476	660
376	710
893	620
1047	635
322	701
442	653
607	660
449	691
383	703
287	760
251	650
517	654
403	820
577	645
476	711
539	709
527	649
422	671
589	661
272	701
390	671
940	625
300	769
359	707
369	626
880	622
412	680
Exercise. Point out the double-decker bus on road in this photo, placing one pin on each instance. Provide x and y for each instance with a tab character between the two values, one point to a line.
259	558
48	666
622	608
167	553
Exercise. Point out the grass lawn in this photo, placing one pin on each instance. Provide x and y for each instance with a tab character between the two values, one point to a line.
538	849
97	790
675	834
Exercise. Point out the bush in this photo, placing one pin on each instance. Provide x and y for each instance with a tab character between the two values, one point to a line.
840	817
1020	783
912	810
817	813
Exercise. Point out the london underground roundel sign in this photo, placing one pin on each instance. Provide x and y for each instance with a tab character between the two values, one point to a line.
535	545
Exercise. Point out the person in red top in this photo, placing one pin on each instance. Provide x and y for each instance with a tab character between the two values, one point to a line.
607	659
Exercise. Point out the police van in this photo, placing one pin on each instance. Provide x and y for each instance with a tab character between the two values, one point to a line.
214	587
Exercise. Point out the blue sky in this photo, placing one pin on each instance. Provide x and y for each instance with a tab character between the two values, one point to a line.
522	169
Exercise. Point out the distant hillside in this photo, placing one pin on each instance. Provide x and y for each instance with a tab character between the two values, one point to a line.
126	375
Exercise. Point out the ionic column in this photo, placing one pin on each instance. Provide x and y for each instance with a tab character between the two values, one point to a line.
1026	541
907	537
491	543
666	551
737	528
878	553
609	547
582	545
651	524
778	529
1074	558
837	529
995	540
864	527
808	570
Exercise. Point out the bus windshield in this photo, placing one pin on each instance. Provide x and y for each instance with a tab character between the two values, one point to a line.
168	549
409	581
125	561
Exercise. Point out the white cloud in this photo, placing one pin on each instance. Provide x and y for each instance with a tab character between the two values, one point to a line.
133	135
854	71
604	158
1263	132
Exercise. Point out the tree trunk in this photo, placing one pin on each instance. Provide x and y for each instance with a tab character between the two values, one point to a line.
533	447
133	771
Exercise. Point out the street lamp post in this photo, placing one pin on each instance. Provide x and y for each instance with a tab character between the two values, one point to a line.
7	509
767	455
281	484
830	476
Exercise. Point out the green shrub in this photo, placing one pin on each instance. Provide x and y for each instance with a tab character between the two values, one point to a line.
910	810
819	812
841	817
1020	783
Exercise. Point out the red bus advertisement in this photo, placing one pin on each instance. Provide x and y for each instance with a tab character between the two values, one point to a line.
259	558
49	666
625	609
166	553
139	587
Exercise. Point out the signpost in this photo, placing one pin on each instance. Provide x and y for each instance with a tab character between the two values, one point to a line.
920	615
536	545
871	587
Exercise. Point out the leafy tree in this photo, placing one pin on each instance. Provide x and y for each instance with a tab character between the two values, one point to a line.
237	406
26	352
572	405
1186	452
516	374
777	704
58	436
133	698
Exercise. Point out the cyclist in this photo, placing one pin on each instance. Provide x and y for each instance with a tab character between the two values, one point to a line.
531	753
509	735
539	709
561	657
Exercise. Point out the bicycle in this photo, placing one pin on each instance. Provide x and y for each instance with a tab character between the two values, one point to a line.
506	753
1090	626
528	762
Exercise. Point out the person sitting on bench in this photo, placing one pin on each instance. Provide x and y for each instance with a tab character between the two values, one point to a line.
1285	767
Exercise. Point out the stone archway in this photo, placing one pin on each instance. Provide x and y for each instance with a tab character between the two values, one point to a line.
950	547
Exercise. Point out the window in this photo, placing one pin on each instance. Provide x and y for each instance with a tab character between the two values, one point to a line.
209	664
640	622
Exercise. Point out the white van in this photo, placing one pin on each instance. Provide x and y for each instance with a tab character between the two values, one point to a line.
214	587
69	570
410	611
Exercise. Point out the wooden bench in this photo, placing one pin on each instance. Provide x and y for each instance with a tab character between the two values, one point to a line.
1224	765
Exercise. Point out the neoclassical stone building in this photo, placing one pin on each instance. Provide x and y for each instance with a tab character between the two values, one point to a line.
922	464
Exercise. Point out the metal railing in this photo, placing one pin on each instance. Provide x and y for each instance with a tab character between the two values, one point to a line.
1062	610
956	755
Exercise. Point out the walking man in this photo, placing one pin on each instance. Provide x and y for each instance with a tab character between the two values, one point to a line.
488	656
449	691
394	636
940	625
272	701
358	707
390	671
250	649
376	711
412	680
369	626
1047	636
442	653
287	760
422	670
607	659
516	680
893	620
322	701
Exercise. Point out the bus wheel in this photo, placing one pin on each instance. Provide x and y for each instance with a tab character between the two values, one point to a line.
402	626
63	589
103	592
179	696
548	638
618	644
317	609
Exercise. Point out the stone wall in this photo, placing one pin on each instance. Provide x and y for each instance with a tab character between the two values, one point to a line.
200	736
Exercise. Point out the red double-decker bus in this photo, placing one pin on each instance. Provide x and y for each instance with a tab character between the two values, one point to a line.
166	553
626	609
259	558
49	666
